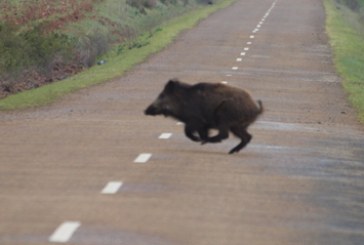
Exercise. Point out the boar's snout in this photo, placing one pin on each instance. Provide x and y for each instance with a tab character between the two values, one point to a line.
151	111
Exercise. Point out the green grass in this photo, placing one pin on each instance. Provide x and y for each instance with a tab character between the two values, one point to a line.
116	64
347	42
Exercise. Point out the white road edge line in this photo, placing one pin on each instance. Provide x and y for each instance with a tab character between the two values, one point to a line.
143	158
112	187
64	232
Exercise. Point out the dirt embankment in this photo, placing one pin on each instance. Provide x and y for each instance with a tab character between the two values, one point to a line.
49	17
48	41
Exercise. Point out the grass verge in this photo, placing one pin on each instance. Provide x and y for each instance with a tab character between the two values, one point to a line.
347	43
117	62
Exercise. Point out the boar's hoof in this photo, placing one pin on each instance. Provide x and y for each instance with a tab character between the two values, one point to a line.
242	144
234	150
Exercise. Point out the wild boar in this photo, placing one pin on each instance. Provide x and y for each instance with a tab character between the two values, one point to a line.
206	106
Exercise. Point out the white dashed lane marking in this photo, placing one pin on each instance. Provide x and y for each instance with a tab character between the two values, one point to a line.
143	158
224	82
259	25
165	136
112	187
64	232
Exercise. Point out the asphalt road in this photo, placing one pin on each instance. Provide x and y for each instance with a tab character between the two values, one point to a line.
91	168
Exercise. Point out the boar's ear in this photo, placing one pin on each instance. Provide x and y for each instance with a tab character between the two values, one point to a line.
171	86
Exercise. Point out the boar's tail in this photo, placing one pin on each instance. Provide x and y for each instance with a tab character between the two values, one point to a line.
261	108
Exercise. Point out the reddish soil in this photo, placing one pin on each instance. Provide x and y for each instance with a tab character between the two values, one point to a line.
61	12
31	79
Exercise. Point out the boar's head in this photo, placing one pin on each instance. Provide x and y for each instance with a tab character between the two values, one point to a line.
168	102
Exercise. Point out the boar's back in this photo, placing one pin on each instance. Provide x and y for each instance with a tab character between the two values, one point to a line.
232	104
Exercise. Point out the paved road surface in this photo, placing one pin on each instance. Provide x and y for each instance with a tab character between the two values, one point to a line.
300	181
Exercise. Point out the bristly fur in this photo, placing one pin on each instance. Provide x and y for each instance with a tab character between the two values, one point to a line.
206	106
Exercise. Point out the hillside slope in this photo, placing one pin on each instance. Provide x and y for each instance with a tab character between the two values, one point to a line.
45	41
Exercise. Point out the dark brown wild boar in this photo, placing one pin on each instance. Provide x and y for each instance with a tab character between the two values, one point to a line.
206	106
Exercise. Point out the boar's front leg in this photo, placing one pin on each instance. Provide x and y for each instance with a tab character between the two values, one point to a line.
192	129
219	116
191	132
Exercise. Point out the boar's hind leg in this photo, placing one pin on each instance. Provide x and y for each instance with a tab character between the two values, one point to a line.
240	131
223	134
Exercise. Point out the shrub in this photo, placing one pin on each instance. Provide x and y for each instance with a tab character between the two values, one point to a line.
90	46
141	5
354	5
30	48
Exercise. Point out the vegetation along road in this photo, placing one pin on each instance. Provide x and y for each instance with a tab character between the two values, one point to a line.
91	168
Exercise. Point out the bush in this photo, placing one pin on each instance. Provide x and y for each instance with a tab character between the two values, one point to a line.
30	48
90	46
141	5
9	48
354	5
